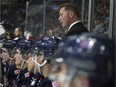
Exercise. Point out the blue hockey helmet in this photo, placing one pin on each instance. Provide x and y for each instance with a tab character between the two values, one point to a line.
9	44
23	46
46	44
90	53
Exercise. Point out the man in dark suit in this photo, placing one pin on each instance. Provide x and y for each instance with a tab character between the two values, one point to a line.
69	19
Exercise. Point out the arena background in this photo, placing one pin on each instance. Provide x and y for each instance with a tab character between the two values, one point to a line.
39	16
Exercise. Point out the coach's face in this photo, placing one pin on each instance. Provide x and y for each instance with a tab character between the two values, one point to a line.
64	17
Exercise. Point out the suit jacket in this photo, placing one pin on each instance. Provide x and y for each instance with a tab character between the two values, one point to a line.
76	29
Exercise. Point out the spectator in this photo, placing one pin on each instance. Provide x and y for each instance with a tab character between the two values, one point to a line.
19	33
99	25
49	32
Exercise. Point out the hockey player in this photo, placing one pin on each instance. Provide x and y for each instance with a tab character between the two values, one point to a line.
7	61
21	56
84	61
41	57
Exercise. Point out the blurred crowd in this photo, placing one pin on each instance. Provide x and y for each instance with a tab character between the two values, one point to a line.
35	53
16	15
101	16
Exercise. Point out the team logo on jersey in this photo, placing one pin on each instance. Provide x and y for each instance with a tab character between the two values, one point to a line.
55	84
26	74
33	81
17	71
4	69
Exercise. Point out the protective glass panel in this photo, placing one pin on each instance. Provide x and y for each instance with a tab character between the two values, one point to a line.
34	20
101	16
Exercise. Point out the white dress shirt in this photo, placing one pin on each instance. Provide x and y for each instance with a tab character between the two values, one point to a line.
73	24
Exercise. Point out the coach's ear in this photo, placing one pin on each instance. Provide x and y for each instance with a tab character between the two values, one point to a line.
71	14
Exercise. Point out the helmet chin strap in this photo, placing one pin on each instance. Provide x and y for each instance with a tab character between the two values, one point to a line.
11	60
23	61
34	59
40	65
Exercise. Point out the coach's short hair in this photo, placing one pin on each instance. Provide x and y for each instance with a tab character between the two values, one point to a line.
71	7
